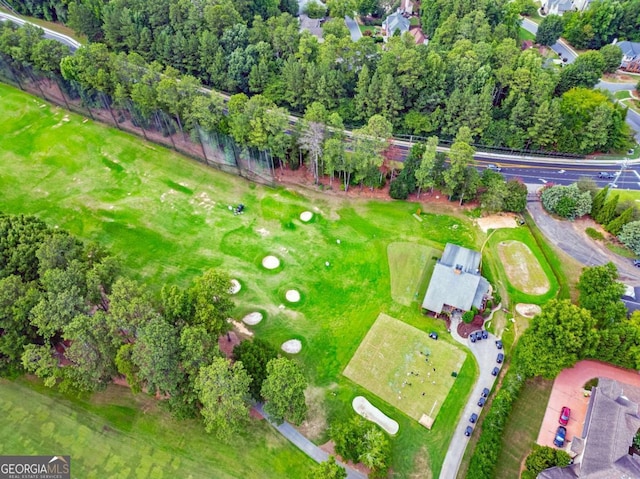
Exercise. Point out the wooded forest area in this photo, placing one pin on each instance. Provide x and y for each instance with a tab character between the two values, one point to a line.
473	73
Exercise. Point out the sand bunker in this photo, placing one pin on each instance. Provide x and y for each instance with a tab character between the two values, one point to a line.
240	328
292	296
528	310
235	286
270	262
373	414
306	216
293	346
252	318
496	221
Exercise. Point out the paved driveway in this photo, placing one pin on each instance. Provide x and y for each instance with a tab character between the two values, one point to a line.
567	391
485	352
560	47
354	29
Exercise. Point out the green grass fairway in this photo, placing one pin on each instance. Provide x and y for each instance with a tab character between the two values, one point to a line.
387	356
131	438
522	268
409	264
167	218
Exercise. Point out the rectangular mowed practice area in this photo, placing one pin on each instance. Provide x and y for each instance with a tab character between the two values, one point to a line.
405	367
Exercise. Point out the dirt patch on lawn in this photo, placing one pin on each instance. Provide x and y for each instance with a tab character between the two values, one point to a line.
494	222
421	466
522	268
528	310
316	423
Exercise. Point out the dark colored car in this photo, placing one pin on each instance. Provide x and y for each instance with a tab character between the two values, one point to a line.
468	431
495	371
485	334
485	392
478	335
472	337
500	358
606	175
636	263
473	418
565	414
499	344
561	435
481	401
433	335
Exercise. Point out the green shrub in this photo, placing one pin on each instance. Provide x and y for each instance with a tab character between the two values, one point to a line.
468	317
315	10
594	234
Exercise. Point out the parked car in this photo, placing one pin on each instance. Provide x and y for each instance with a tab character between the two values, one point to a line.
500	358
499	344
606	175
481	401
565	414
495	371
494	167
433	335
561	435
473	418
636	263
485	392
472	337
485	334
468	431
478	335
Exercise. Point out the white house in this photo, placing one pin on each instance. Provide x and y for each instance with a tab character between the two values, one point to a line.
558	7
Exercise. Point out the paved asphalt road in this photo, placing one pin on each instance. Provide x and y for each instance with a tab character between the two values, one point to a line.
561	48
70	42
485	352
354	29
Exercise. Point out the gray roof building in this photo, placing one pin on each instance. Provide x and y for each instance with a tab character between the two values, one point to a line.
630	50
603	451
396	21
456	281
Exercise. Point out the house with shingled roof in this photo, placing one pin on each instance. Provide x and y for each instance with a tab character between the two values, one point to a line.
395	22
456	283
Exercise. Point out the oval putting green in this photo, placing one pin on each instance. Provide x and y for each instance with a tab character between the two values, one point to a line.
522	267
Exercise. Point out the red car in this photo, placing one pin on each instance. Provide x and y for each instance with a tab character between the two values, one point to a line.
564	416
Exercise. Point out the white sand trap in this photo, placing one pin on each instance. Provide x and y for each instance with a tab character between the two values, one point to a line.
373	414
528	310
235	286
252	318
240	328
293	296
497	221
270	262
306	216
293	346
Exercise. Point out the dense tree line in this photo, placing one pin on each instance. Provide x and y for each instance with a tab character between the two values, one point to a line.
70	318
471	74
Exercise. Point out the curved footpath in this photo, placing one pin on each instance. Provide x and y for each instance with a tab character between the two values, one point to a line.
485	352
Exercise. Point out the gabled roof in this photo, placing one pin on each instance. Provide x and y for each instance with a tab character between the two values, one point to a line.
456	281
396	21
629	49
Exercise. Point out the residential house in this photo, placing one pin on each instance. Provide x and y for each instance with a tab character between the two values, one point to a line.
630	53
456	282
395	22
406	6
556	7
604	451
312	25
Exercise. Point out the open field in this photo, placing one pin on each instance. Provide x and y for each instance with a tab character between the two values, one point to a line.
129	437
523	426
167	219
409	263
405	367
506	269
522	268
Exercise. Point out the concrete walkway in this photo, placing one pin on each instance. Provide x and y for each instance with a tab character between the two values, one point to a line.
306	446
485	352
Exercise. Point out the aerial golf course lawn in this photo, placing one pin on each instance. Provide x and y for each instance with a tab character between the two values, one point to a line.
168	220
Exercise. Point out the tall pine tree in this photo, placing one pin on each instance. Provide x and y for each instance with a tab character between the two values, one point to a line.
608	211
598	202
615	226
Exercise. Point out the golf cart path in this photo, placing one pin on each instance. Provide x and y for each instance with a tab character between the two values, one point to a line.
306	446
485	352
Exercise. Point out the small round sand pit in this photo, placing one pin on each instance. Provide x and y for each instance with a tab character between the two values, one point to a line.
373	414
293	296
306	216
270	262
528	310
252	318
293	346
235	286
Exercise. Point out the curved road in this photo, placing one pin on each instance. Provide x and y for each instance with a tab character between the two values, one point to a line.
59	37
560	47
